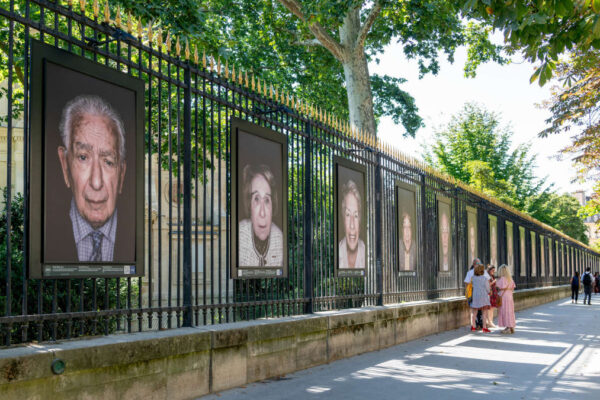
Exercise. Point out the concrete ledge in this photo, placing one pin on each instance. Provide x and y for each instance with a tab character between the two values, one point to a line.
190	362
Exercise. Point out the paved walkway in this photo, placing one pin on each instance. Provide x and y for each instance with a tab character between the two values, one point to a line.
554	354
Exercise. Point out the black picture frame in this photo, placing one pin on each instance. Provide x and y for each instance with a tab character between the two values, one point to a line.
493	239
245	131
405	192
339	164
81	77
472	248
444	207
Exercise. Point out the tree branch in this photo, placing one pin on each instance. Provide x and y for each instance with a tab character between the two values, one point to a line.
364	30
320	33
308	42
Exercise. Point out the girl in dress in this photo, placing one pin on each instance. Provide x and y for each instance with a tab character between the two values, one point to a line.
493	296
506	312
481	295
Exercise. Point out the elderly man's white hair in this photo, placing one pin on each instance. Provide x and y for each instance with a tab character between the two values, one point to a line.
83	105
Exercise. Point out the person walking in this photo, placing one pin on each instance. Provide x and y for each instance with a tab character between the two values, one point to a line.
506	312
575	287
493	296
481	295
596	283
587	280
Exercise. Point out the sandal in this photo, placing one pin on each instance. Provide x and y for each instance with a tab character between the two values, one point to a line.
486	330
505	330
473	329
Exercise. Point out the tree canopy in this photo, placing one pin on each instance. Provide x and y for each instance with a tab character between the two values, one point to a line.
319	49
475	148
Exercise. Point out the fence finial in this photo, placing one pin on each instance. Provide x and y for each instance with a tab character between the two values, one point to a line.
219	65
168	42
96	9
82	6
187	49
150	34
129	23
118	17
204	58
159	39
106	13
240	82
233	72
258	89
212	64
246	79
140	29
226	69
253	84
70	3
196	55
177	47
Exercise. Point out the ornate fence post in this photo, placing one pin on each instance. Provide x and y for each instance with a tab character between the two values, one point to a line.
187	198
378	230
308	233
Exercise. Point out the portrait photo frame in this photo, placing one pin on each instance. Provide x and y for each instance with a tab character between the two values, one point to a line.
445	236
63	211
259	176
510	247
472	234
542	255
522	252
345	171
493	239
406	228
533	241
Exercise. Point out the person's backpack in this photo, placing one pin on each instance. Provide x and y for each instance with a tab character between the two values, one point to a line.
587	279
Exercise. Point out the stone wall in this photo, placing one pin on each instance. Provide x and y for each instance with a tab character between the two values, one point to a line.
189	362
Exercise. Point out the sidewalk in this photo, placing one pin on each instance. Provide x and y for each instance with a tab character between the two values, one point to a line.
554	354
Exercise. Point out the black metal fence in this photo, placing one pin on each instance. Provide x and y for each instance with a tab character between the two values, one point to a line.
188	107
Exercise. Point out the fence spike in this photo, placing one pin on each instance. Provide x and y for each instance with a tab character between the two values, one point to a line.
106	13
227	69
129	23
187	49
204	58
168	42
219	65
150	33
258	88
233	73
177	47
253	84
271	91
70	3
246	79
159	39
118	17
196	55
96	9
140	29
82	6
212	64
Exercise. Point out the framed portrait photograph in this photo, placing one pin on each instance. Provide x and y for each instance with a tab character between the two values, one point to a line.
350	206
542	255
551	255
259	202
472	234
445	249
406	223
493	235
533	254
510	254
563	261
86	168
523	252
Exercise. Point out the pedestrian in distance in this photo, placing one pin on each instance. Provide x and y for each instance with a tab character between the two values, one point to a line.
506	312
596	283
493	296
481	295
587	279
575	287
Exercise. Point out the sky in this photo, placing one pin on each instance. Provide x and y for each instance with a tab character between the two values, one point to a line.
503	89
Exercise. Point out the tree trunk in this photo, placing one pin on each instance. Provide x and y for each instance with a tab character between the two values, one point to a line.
356	71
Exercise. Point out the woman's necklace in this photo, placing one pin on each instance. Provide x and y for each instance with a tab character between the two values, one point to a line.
260	248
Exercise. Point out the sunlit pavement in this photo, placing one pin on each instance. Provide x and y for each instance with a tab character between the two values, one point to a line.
554	354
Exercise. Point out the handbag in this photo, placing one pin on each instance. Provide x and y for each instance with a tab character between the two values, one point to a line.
499	301
469	292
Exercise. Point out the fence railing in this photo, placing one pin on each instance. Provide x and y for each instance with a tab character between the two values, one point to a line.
194	287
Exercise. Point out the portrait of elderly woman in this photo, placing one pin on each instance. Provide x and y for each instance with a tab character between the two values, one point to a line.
351	249
445	236
259	201
407	224
260	240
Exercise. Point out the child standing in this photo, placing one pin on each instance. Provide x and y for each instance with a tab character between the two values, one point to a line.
481	295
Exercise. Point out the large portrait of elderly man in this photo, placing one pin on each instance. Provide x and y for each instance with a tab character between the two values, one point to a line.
259	201
407	227
87	183
350	202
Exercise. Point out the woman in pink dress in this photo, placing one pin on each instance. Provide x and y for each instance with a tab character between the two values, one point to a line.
506	312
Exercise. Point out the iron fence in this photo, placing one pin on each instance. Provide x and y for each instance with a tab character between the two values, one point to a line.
188	107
